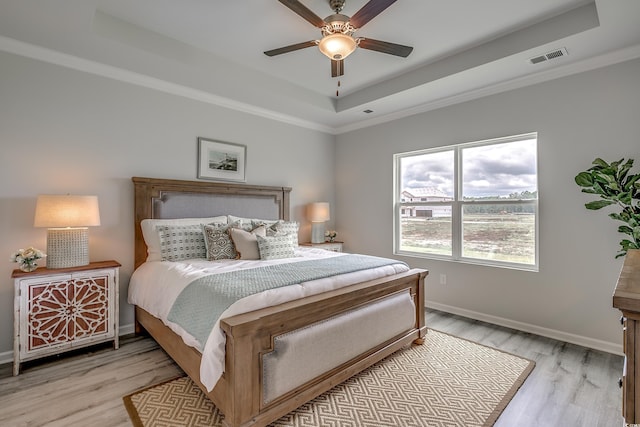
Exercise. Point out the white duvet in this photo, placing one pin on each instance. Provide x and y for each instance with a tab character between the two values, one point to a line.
155	285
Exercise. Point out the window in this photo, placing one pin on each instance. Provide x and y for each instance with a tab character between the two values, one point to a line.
474	202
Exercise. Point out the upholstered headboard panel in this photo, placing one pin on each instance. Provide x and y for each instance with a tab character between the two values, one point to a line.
167	199
172	204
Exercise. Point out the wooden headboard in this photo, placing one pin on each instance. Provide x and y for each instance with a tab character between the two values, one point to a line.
168	198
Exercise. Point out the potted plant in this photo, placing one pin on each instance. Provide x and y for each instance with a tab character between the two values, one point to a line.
615	186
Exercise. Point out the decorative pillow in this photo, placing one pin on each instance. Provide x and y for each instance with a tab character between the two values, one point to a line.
263	222
276	247
255	222
218	242
152	239
180	242
285	227
246	243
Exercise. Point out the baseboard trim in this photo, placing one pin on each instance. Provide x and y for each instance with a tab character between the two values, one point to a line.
605	346
608	347
7	356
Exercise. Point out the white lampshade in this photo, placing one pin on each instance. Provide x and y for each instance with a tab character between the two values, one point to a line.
66	211
67	218
337	46
318	213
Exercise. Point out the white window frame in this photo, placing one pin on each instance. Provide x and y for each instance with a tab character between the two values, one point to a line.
457	205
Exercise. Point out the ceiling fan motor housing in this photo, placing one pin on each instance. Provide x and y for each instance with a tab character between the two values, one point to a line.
337	23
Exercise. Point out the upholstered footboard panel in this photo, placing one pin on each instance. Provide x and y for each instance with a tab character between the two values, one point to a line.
303	354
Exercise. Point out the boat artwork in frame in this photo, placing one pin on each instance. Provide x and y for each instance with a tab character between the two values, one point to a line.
223	161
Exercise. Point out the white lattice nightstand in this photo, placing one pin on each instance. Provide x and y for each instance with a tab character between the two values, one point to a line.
57	310
329	246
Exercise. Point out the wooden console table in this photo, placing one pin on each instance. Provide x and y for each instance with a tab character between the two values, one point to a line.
626	298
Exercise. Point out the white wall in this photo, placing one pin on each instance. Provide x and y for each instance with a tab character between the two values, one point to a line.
578	118
64	131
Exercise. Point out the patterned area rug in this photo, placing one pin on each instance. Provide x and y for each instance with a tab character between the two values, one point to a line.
447	381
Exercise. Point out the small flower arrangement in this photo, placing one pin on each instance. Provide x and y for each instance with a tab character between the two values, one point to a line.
26	258
330	235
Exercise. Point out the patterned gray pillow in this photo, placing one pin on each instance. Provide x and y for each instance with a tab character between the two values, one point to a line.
285	227
218	242
180	242
276	247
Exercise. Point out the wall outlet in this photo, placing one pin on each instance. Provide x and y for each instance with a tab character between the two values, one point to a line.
443	279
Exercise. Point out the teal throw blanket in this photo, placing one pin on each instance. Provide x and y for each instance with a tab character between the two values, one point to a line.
202	302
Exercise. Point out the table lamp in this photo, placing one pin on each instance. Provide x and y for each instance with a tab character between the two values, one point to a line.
318	214
67	218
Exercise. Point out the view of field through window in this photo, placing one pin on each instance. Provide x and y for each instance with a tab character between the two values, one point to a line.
492	214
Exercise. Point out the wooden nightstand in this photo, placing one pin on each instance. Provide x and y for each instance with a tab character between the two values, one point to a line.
329	246
57	310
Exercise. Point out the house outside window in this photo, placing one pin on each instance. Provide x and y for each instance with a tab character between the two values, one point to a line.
475	202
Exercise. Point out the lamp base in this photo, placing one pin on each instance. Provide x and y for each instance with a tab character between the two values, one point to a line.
317	232
67	247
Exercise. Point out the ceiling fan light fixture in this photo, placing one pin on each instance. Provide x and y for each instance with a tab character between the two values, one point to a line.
337	46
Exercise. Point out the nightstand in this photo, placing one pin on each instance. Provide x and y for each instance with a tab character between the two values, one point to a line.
329	246
57	310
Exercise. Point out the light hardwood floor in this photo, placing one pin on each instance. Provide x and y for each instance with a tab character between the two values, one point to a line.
570	386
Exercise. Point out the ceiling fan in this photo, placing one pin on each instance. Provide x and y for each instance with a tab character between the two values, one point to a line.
337	40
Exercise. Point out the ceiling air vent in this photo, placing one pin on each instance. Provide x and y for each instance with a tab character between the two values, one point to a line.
549	56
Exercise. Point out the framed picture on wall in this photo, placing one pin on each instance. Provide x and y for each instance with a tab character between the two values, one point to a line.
222	161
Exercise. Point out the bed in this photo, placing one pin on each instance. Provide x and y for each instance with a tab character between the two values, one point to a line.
263	346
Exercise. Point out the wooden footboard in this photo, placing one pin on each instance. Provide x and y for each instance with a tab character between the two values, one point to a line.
238	394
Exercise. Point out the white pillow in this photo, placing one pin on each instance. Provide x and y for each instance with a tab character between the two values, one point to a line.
152	239
246	242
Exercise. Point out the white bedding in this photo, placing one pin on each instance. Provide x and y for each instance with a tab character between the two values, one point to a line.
155	285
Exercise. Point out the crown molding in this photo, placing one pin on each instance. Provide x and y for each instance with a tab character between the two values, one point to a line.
93	67
80	64
611	58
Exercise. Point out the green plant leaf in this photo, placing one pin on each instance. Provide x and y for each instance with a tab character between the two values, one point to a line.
600	162
599	189
625	198
589	190
598	204
625	229
624	170
627	244
630	182
583	179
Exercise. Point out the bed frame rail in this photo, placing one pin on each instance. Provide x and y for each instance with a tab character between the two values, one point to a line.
238	394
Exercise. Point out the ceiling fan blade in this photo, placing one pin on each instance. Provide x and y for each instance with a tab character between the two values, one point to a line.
369	11
304	12
385	47
337	68
290	48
